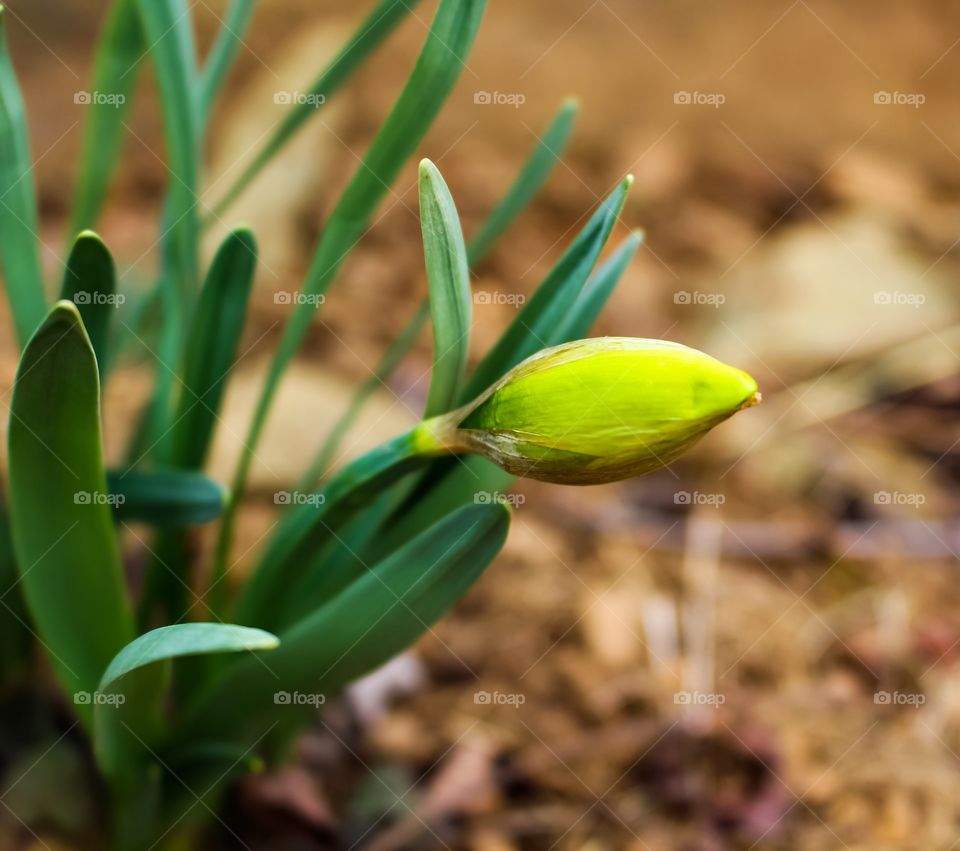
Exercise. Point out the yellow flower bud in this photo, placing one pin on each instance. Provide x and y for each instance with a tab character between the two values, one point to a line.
597	410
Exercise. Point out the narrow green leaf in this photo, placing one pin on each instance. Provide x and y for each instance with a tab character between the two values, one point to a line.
90	282
316	520
536	325
212	347
368	37
168	498
448	281
528	183
229	39
532	176
440	64
168	32
63	532
115	73
599	288
374	618
391	359
19	231
129	700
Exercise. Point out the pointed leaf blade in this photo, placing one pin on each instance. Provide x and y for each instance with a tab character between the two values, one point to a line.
63	533
448	280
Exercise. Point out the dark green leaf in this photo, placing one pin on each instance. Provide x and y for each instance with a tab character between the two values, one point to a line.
536	325
212	347
598	290
63	532
165	497
377	616
90	282
129	701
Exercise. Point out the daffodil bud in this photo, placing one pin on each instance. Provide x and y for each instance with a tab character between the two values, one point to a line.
597	410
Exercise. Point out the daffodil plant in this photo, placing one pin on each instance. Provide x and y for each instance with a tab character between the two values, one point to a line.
181	676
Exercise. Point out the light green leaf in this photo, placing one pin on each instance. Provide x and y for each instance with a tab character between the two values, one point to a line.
90	282
115	73
448	280
229	39
183	639
63	532
368	37
19	231
167	498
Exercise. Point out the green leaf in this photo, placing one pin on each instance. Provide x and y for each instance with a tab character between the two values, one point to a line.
534	174
235	24
599	288
183	639
439	66
368	37
448	280
315	521
115	72
90	282
212	347
168	498
168	32
535	326
129	700
377	616
63	532
16	639
19	231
